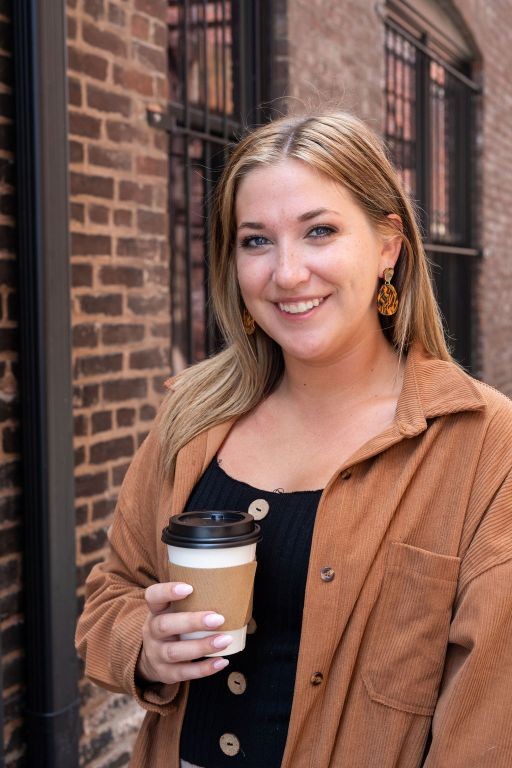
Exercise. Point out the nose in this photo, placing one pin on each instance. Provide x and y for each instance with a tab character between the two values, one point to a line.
290	269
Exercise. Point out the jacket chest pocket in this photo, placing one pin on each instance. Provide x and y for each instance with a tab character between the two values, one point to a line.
409	630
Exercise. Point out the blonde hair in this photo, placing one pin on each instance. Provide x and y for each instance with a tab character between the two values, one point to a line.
236	379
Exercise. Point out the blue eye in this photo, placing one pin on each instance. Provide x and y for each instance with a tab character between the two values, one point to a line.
254	241
321	231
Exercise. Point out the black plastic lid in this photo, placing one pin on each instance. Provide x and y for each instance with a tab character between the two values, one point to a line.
211	530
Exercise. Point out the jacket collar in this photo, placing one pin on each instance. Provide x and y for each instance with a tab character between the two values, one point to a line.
431	388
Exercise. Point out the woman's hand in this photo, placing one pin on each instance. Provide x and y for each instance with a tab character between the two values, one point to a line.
165	658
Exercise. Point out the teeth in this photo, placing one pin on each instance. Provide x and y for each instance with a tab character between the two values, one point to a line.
300	306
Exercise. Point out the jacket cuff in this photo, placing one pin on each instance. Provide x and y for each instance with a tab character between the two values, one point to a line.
126	647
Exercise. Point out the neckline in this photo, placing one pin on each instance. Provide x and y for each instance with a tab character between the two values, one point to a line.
276	492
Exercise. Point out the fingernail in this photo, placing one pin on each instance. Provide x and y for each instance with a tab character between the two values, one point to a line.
213	620
183	589
222	641
220	663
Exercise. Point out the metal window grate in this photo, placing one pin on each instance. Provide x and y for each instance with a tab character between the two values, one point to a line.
429	130
215	76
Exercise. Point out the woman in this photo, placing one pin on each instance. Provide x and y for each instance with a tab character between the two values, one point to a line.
380	473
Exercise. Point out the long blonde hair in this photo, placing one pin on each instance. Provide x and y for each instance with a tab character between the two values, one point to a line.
233	381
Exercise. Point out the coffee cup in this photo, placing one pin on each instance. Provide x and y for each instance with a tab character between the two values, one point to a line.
215	552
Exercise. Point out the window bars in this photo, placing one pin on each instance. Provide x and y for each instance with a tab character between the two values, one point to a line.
429	128
215	75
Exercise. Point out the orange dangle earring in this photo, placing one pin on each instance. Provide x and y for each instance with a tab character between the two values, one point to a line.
387	297
248	322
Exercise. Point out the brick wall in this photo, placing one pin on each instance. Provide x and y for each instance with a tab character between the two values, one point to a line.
490	23
336	55
10	480
120	285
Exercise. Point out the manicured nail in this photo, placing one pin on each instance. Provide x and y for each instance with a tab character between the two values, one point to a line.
222	641
183	589
220	663
213	620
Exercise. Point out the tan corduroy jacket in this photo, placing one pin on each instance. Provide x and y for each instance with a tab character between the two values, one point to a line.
412	638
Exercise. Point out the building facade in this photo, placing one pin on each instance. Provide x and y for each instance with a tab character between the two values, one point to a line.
157	91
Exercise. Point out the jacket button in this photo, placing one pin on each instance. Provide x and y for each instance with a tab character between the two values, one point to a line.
237	683
327	574
229	744
259	508
316	678
346	474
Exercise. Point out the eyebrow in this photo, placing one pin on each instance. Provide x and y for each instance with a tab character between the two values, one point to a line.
303	217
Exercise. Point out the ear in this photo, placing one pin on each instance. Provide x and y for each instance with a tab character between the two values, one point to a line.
391	243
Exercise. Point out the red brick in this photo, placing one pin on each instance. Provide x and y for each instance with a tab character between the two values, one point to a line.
147	412
123	217
124	389
125	417
146	358
94	8
80	425
155	8
71	28
122	334
98	214
140	27
160	35
109	158
124	133
74	92
134	80
84	125
116	15
79	456
87	63
101	421
151	223
144	305
91	542
81	275
104	304
135	192
76	152
103	508
77	212
152	166
111	449
152	58
84	396
99	38
129	276
139	247
96	186
107	101
160	330
118	473
95	365
90	245
91	484
85	335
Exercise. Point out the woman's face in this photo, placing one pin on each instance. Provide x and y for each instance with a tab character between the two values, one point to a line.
308	261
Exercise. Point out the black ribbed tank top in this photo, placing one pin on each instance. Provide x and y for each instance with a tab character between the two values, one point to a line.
251	698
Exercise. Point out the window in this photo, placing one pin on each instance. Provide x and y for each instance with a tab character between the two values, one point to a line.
215	76
429	129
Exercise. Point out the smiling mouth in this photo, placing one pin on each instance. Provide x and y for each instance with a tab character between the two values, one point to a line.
300	307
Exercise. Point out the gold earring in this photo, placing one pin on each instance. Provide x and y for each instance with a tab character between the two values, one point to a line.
387	297
248	321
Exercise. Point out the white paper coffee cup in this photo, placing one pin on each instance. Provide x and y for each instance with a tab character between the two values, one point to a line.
213	540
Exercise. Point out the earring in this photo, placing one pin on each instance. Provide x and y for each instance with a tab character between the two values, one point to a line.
387	298
248	321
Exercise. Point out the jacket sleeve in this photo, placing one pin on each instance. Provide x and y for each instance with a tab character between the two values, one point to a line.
109	631
472	724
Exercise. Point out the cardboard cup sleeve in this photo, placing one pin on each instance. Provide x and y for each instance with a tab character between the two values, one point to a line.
227	591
